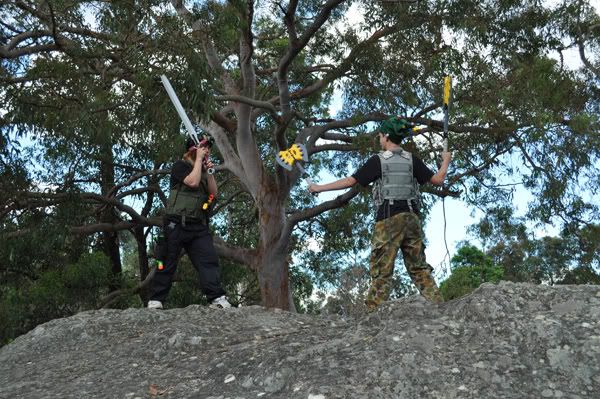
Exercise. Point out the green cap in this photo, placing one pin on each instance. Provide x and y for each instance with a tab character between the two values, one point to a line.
396	129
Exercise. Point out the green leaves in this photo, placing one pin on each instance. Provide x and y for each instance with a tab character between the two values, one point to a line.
58	292
519	114
470	268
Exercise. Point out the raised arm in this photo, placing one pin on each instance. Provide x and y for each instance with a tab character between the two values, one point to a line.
438	178
193	179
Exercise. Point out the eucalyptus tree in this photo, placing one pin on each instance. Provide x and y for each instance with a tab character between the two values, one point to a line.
74	76
259	76
511	98
525	257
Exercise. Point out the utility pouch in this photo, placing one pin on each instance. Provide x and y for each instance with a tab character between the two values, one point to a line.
160	250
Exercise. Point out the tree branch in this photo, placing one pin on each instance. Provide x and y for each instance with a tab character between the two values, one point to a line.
296	45
209	50
344	66
135	177
586	62
250	101
306	214
247	51
113	296
242	256
332	147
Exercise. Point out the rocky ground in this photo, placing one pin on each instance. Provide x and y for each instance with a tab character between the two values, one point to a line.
504	341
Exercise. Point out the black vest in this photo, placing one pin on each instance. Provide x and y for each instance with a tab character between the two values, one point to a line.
186	203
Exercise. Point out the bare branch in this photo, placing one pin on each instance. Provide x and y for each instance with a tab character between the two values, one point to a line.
289	20
135	177
584	59
243	256
16	234
332	147
255	103
306	214
231	158
223	203
339	71
33	199
56	31
526	154
478	169
337	137
296	45
150	189
113	296
247	50
34	34
27	50
223	121
209	50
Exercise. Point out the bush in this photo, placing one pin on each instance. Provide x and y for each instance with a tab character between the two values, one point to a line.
471	268
465	279
60	292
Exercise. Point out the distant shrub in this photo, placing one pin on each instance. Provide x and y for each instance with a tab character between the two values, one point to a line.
59	292
471	268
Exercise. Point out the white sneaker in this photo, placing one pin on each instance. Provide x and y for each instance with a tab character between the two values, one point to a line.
155	305
220	303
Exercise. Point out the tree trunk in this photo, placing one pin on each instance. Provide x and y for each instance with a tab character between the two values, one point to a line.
272	262
143	263
274	280
110	240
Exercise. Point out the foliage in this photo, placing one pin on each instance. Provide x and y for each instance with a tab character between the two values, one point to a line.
89	98
303	291
524	258
470	268
581	275
58	292
349	297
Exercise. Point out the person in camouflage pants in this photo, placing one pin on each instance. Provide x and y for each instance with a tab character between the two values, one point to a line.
396	174
401	231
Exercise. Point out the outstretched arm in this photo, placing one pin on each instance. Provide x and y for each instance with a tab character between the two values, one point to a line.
336	185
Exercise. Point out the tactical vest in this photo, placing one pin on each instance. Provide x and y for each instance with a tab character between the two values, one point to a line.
397	181
186	202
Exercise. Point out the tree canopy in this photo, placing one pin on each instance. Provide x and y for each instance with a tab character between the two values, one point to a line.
87	132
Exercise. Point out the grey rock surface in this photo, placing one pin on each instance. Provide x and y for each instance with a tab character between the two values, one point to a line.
504	341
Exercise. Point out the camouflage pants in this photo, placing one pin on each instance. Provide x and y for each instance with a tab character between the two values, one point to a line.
401	231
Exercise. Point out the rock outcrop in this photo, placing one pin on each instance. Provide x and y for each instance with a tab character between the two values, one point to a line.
502	341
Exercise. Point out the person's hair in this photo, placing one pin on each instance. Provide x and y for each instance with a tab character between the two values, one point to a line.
205	140
396	129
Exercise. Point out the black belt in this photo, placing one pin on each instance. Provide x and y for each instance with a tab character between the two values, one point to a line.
407	203
185	220
410	205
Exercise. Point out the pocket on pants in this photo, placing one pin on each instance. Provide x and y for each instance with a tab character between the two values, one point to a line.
160	248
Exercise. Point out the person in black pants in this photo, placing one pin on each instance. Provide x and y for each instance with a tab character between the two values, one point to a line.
186	226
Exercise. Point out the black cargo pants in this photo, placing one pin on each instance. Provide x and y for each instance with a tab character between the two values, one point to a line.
198	244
